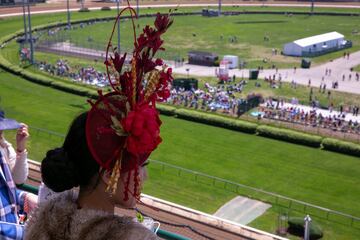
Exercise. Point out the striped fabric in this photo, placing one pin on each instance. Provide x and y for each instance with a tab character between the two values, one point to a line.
11	201
11	231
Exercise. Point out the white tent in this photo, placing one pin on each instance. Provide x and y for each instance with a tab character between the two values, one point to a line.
233	61
314	44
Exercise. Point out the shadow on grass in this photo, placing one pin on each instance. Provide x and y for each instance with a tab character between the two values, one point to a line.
81	106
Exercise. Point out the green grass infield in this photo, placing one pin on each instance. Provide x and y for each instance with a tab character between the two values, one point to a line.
312	175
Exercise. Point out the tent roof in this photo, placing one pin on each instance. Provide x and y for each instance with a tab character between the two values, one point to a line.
318	39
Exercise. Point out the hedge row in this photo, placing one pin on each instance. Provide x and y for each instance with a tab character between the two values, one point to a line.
341	146
105	8
215	120
263	130
166	109
84	9
290	136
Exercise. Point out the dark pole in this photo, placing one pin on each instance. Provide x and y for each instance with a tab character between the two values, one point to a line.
118	26
219	11
30	34
68	14
24	18
312	6
137	7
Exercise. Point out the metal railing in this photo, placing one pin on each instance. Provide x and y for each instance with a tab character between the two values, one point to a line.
243	190
161	232
86	49
256	193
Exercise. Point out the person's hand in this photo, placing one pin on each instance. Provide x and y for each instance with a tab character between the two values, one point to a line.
30	202
21	137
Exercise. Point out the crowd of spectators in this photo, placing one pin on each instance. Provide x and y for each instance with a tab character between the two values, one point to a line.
221	98
330	119
212	98
87	75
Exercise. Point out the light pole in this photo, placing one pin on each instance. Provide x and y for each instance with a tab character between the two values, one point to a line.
68	14
307	220
30	34
219	11
24	18
137	7
187	70
118	25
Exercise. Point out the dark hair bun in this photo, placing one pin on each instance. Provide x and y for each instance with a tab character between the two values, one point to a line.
58	172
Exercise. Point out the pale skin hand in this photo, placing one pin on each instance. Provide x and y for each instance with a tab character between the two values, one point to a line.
32	201
22	136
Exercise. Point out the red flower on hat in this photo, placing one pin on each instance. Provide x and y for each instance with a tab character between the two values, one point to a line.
143	128
162	22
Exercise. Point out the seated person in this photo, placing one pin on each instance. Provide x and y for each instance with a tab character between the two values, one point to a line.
92	211
13	170
17	160
15	205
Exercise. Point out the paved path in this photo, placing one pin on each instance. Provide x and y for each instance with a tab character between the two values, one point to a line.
338	67
242	210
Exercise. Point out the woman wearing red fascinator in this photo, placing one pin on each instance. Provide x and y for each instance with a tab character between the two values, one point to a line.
106	149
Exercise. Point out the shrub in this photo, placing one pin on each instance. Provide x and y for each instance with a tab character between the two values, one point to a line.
85	9
341	146
289	136
296	227
105	8
215	120
92	94
5	64
166	110
70	88
36	78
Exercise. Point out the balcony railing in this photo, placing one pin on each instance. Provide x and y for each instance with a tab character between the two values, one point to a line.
161	232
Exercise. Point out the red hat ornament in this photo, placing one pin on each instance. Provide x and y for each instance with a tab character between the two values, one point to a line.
123	126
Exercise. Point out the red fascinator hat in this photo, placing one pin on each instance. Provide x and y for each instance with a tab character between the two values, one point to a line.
123	126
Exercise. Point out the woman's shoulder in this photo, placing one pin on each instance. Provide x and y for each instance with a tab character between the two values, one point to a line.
61	216
137	231
52	217
97	225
